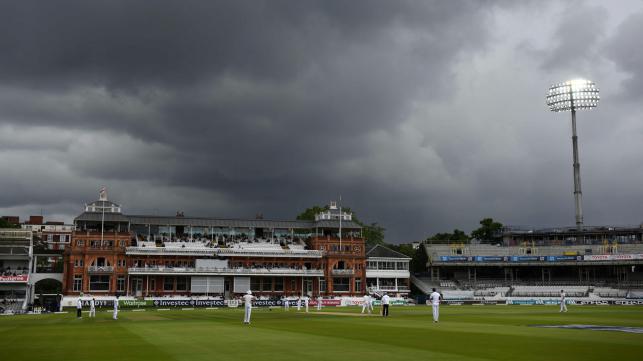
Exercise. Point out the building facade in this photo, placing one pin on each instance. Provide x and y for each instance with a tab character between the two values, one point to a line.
16	257
112	253
387	271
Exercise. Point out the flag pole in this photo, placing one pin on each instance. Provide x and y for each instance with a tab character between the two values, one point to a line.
102	226
103	198
340	223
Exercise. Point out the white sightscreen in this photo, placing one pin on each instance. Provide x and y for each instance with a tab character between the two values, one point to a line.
207	284
241	284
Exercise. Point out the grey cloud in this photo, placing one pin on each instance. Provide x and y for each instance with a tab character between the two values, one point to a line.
233	108
625	51
576	39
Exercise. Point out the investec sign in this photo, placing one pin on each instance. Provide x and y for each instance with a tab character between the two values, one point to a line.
188	303
613	257
14	279
216	303
563	258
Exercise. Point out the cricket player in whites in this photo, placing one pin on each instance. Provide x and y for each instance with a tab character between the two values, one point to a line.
115	315
92	307
366	303
306	299
299	303
435	298
247	300
319	302
563	305
286	304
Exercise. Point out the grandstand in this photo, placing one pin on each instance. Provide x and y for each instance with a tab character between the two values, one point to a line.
16	253
601	263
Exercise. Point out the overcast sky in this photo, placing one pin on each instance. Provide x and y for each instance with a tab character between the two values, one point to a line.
424	115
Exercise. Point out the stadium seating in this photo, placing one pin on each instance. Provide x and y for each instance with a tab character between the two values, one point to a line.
549	291
263	246
457	295
489	250
186	244
492	291
11	306
296	247
608	292
447	284
637	293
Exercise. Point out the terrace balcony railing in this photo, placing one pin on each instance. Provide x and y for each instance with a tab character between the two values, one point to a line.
342	272
100	269
229	252
227	271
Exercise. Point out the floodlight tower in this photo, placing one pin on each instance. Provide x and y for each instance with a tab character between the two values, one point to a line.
574	95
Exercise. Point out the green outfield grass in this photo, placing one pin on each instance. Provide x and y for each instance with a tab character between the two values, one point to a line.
464	333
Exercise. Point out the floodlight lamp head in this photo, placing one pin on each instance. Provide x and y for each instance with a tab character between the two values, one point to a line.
571	95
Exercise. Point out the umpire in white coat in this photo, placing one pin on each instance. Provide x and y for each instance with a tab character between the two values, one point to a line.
79	308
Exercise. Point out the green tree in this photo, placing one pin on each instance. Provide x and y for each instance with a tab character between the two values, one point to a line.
5	224
405	249
489	231
419	260
456	235
373	234
310	213
418	256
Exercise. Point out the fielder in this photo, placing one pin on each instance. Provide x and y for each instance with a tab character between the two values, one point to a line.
319	302
247	300
298	303
286	304
92	307
563	306
115	315
435	303
366	304
306	303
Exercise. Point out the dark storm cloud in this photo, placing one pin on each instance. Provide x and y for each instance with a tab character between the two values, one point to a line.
229	108
214	75
624	50
576	38
129	44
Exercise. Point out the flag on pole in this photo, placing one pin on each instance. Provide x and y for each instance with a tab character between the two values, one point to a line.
102	193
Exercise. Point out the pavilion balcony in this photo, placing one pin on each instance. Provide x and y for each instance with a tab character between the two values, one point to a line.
342	272
207	271
100	269
224	252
